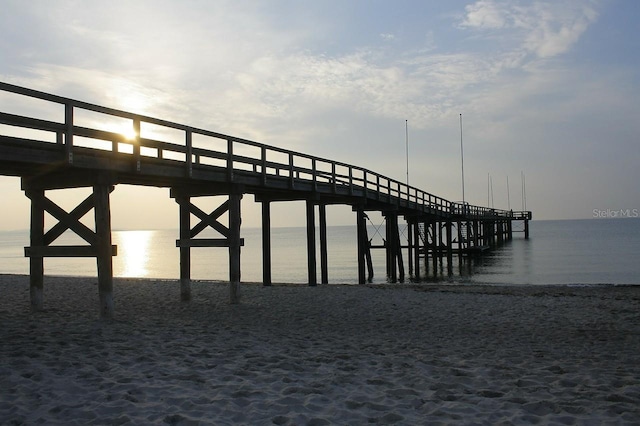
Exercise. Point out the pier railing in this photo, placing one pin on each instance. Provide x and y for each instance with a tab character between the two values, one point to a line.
84	125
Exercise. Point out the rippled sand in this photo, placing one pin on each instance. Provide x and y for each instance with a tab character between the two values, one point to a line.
324	355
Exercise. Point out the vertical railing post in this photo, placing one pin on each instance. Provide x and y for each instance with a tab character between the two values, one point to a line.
333	176
263	159
364	183
189	154
291	178
230	160
136	143
68	121
313	174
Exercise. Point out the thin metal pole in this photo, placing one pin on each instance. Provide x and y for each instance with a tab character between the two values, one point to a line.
462	161
524	191
508	194
491	186
406	134
488	190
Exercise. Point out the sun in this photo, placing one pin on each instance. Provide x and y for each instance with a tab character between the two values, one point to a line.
129	133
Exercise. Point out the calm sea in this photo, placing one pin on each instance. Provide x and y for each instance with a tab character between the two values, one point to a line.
596	251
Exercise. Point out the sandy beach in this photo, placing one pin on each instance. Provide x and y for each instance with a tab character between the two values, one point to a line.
326	355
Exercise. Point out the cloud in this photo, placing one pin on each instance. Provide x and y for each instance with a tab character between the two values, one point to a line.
484	14
546	29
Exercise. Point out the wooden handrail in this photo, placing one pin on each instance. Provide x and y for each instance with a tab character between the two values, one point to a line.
356	179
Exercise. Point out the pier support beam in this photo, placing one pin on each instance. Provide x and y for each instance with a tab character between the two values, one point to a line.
364	249
435	226
104	249
425	247
448	231
416	249
231	233
36	263
324	257
235	244
395	264
185	251
99	241
266	243
311	243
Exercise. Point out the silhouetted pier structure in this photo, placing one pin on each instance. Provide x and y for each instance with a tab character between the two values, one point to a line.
96	147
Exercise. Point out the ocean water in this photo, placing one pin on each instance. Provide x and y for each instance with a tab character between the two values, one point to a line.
595	251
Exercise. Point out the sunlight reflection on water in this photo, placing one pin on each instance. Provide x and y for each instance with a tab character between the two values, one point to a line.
133	249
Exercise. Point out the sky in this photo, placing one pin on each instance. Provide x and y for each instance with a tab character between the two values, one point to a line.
546	89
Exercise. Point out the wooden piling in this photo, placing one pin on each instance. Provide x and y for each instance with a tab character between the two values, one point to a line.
104	249
448	231
410	256
311	243
235	245
416	250
435	251
363	240
185	251
36	263
266	243
324	258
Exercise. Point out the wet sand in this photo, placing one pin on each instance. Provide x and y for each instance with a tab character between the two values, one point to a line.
325	355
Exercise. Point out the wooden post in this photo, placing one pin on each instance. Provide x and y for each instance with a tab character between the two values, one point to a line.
266	243
492	232
104	250
324	259
435	226
234	246
476	233
311	243
68	120
526	229
410	248
36	263
449	248
391	227
399	251
362	240
185	251
416	250
425	247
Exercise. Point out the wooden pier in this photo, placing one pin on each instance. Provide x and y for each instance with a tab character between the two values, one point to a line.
67	153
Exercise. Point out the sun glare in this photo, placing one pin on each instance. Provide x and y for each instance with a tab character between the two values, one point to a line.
128	133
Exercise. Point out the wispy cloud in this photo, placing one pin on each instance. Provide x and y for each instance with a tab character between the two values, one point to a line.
546	29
